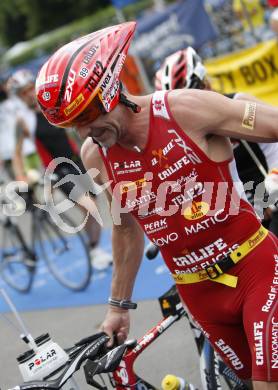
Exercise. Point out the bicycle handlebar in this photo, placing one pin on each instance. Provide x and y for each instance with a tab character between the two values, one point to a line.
107	363
99	359
88	348
118	363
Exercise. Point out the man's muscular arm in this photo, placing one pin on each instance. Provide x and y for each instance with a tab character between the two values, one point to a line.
211	113
128	246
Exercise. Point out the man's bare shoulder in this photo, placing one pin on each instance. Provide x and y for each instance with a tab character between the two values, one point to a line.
196	110
184	105
191	99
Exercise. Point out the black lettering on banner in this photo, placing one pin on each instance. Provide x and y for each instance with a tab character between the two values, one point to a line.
247	74
221	87
224	77
231	79
259	70
271	62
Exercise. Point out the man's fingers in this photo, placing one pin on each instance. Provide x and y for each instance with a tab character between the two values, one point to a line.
110	342
121	337
109	332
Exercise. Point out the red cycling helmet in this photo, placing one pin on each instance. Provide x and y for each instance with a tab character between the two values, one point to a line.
183	69
86	70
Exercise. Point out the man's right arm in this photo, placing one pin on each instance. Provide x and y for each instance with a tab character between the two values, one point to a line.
128	247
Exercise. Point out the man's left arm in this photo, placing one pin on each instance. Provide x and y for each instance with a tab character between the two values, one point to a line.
209	112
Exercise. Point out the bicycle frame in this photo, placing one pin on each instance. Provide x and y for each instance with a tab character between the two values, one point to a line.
117	363
124	375
211	366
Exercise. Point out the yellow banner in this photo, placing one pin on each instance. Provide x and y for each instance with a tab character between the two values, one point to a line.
253	70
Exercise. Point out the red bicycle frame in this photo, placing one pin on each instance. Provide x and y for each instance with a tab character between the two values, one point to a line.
124	375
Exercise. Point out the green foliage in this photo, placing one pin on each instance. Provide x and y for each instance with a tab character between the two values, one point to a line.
12	21
48	42
21	20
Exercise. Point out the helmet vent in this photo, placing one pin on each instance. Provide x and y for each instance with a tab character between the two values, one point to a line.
181	58
179	71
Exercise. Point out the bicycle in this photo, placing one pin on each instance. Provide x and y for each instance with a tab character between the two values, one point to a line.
118	362
66	256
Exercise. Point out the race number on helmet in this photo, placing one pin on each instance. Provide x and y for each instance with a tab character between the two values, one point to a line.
86	70
183	69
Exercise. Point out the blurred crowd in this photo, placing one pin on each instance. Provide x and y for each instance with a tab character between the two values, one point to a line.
240	23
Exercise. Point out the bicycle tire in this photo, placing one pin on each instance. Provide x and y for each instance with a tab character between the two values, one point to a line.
17	264
66	255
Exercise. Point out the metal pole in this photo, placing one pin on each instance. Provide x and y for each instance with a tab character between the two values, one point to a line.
254	157
119	15
249	20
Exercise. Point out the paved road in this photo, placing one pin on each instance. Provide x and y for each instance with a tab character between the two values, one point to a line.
174	352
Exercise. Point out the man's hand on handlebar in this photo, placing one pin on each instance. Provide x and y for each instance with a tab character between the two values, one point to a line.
116	323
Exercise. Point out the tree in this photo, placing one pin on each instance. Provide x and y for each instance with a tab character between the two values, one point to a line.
21	20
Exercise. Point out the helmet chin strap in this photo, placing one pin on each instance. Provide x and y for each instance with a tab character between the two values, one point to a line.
124	100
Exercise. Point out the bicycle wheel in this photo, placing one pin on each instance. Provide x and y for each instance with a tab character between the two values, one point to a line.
66	255
17	262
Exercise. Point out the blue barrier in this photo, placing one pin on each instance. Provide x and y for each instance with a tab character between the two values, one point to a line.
153	279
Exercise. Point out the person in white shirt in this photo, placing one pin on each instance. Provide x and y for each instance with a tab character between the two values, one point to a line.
10	118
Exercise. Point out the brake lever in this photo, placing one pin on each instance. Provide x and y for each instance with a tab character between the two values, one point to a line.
107	363
89	339
92	382
96	348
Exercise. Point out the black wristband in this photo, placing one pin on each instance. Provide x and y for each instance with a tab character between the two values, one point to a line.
123	304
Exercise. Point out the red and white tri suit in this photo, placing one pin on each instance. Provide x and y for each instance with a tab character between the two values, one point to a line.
194	209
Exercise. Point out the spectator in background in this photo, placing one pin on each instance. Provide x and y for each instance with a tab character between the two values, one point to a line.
273	20
9	120
249	12
52	143
273	3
